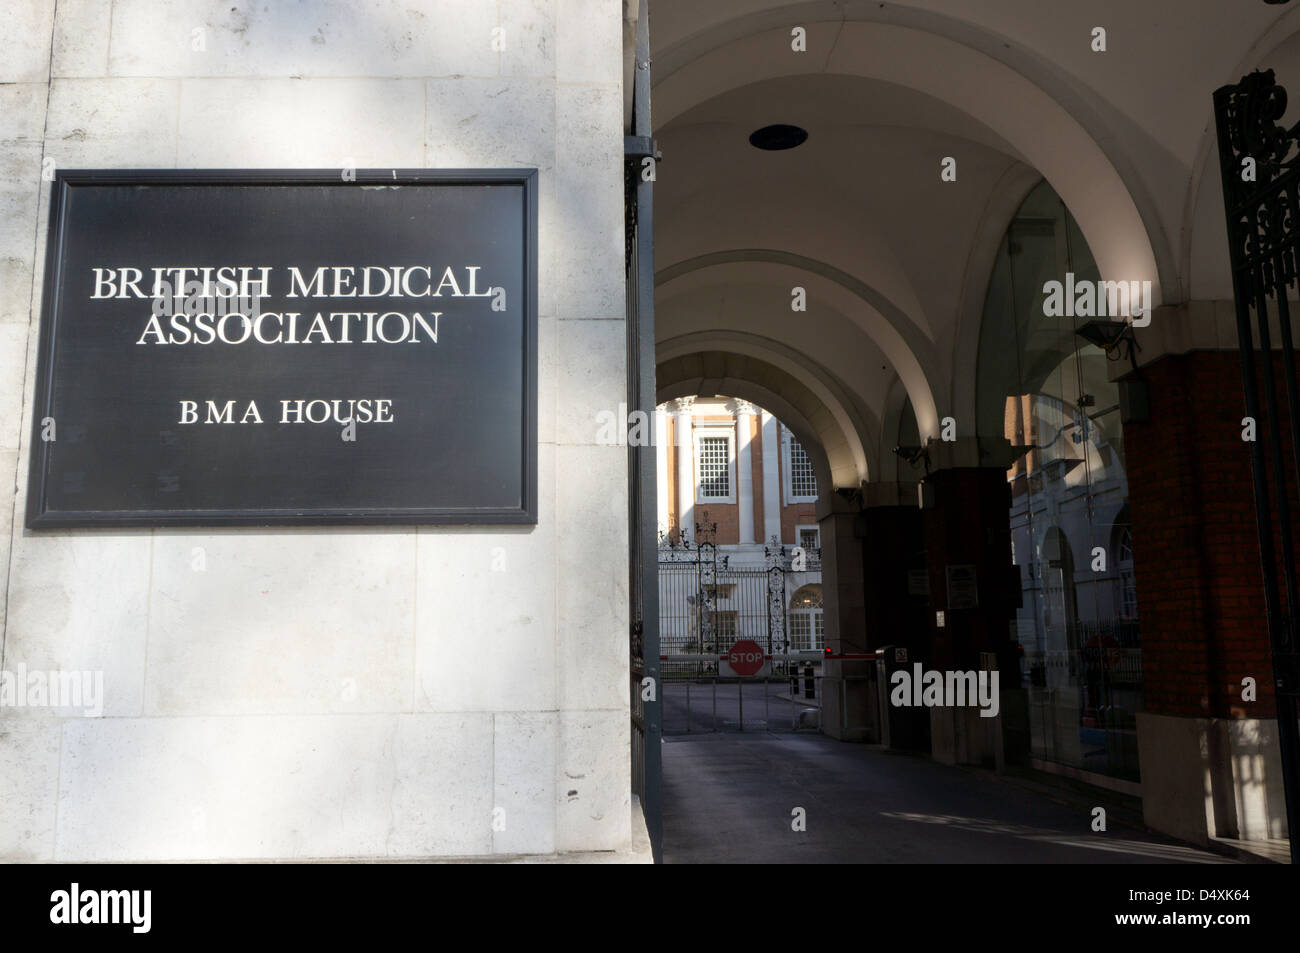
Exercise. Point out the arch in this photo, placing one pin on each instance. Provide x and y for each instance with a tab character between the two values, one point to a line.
775	405
1056	555
1121	563
1018	352
801	393
913	356
1284	29
807	597
1004	202
805	618
1045	118
803	220
891	420
701	372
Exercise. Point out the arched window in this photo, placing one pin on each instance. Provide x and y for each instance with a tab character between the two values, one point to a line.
805	619
1045	389
1060	610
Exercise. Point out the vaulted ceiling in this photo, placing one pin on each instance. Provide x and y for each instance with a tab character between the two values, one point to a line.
895	262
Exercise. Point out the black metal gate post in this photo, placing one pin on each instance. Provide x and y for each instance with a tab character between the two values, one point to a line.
639	158
1260	167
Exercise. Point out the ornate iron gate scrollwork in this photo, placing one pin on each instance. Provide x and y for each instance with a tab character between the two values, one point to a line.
1260	166
777	639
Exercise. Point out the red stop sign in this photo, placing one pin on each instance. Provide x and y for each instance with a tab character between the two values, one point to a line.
745	657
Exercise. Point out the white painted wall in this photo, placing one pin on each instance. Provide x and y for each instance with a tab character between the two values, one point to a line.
328	693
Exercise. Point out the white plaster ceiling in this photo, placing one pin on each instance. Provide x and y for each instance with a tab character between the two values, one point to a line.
896	261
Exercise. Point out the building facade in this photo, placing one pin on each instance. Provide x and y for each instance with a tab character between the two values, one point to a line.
325	692
851	215
743	468
736	488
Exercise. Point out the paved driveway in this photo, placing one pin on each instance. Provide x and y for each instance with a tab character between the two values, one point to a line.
729	797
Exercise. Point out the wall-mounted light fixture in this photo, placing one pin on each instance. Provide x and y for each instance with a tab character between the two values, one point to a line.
1116	339
917	456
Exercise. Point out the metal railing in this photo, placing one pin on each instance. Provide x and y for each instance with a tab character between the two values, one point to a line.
732	702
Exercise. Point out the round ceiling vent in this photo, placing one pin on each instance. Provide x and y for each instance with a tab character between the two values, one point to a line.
777	137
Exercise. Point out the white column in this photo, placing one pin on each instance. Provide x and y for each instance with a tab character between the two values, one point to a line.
744	412
685	466
661	471
771	479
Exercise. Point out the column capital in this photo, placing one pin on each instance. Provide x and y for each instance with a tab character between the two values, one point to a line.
993	452
1197	325
892	494
742	408
681	406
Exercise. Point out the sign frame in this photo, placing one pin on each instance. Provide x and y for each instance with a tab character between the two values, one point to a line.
38	517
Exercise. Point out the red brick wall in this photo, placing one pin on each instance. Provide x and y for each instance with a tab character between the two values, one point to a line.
794	515
756	472
726	515
1196	554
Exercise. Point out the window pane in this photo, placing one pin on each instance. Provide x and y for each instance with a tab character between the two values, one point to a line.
802	481
726	627
800	632
715	474
1078	628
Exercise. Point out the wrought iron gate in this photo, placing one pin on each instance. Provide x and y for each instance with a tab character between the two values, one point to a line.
707	605
1260	166
639	156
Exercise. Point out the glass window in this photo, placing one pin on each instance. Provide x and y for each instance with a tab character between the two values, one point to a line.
803	483
800	632
714	468
1048	392
805	619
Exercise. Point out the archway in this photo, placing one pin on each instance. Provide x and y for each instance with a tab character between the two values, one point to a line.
1020	98
740	565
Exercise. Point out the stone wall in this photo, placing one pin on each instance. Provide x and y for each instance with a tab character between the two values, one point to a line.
327	692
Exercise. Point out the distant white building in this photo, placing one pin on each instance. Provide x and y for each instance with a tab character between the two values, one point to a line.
733	476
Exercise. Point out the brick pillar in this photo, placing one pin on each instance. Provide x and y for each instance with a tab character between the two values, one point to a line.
969	525
893	546
849	710
895	597
968	540
1200	602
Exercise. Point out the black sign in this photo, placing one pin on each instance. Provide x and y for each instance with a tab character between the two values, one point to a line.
259	347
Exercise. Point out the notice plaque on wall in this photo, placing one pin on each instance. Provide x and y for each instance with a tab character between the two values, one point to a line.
287	347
